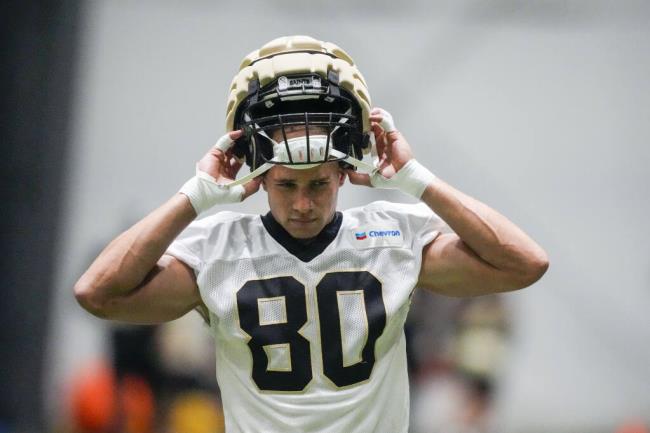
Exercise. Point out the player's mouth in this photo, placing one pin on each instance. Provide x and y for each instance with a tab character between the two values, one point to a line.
302	221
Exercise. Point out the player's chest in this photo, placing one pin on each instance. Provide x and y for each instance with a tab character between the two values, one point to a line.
297	319
280	283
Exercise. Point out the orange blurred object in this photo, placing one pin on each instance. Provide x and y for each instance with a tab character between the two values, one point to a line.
633	427
137	404
98	404
93	399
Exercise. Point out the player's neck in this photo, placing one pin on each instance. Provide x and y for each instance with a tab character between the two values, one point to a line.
304	249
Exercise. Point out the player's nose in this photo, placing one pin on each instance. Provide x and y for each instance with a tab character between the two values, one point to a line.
303	202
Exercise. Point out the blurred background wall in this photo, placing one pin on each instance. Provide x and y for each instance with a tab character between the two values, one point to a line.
539	108
38	43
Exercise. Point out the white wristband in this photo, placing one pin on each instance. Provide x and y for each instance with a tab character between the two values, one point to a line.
204	192
413	178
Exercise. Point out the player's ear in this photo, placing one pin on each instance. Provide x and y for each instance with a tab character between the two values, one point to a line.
342	176
264	181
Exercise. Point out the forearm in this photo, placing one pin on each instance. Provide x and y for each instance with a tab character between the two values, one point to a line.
494	238
130	257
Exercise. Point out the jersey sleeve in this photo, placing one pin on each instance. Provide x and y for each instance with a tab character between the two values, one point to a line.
426	224
206	239
188	247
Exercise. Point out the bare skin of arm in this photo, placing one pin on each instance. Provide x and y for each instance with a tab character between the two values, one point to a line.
132	280
487	253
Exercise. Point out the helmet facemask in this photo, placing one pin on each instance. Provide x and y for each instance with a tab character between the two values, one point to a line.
298	82
327	119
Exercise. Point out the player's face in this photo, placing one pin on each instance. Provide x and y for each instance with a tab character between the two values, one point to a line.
303	201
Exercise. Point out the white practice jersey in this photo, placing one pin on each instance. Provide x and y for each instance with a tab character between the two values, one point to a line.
309	338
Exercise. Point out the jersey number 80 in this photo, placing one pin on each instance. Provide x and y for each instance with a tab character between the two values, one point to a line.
285	331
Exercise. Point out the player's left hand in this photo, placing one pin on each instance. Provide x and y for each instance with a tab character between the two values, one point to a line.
393	150
396	167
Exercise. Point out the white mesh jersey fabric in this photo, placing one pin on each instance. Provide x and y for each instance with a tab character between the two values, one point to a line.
354	325
238	264
272	310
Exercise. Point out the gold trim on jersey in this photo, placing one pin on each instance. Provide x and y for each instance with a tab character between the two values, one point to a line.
267	305
356	357
278	357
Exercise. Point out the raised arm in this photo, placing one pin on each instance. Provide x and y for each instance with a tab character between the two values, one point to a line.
487	253
132	279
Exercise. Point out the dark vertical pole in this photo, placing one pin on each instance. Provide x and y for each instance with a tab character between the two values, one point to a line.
38	44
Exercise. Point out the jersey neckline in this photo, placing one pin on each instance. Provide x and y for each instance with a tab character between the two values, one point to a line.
303	250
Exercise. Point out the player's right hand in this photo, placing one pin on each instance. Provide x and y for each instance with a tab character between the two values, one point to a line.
214	173
222	165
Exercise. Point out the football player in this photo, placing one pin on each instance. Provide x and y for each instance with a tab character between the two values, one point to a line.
307	303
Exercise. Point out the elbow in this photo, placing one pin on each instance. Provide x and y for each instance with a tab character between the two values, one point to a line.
88	298
542	266
533	269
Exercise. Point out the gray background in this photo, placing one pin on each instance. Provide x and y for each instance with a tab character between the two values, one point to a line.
538	108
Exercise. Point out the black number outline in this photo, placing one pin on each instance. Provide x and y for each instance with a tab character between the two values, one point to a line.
329	332
293	291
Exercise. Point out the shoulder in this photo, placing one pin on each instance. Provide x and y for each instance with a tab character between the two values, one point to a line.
416	218
223	217
220	234
230	224
386	209
222	221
